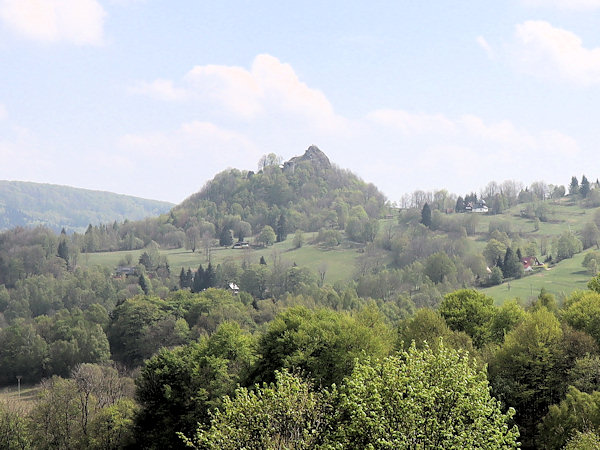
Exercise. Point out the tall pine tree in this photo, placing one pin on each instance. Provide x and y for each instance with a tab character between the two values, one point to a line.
426	215
198	282
281	229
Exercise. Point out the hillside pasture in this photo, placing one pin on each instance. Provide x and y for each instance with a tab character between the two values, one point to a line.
338	262
560	280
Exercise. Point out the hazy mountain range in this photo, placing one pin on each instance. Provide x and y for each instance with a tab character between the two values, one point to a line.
31	204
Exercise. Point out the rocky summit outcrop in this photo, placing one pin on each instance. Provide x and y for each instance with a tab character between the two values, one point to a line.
314	155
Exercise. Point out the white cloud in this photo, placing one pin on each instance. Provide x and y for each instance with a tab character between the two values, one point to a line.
195	139
160	89
267	108
193	153
578	5
75	21
549	52
413	123
270	87
471	129
428	151
232	87
485	46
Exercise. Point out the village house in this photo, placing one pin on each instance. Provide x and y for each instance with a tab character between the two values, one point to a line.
529	262
478	206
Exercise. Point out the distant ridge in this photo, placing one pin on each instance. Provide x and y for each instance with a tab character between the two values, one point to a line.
31	204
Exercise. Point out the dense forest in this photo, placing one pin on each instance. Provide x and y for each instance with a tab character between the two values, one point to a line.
248	353
57	207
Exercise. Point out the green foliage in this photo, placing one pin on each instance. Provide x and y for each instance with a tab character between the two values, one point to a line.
525	371
23	352
469	311
496	276
574	186
176	388
511	266
421	399
139	327
505	319
298	239
305	192
577	412
88	411
54	419
427	328
33	204
14	434
267	236
282	228
322	344
583	313
112	427
426	215
567	245
494	249
286	414
438	267
584	188
591	262
587	440
585	373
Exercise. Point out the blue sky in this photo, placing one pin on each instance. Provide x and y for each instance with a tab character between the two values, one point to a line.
153	98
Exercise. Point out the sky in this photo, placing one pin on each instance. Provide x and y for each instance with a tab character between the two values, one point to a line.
152	98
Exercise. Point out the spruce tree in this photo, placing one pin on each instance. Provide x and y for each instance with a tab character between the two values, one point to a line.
209	277
512	266
144	283
584	188
198	282
426	215
63	250
225	238
281	229
182	279
574	186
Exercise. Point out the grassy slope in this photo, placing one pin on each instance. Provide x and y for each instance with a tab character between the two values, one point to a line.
562	279
339	262
27	399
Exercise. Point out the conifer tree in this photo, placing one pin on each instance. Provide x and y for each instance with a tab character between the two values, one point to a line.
584	188
574	186
281	229
198	282
209	277
426	215
182	279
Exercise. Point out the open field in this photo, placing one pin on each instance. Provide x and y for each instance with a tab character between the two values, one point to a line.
338	262
562	216
11	395
560	280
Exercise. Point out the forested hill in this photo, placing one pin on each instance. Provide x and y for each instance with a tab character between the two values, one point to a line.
307	191
57	207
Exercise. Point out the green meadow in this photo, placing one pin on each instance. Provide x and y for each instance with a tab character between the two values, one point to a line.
339	263
560	280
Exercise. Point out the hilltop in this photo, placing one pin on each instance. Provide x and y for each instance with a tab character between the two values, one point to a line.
308	191
56	207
